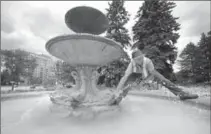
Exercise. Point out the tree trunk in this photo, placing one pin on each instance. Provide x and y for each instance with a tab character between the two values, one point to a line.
13	86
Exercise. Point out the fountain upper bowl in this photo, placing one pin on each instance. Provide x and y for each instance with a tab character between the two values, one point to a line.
85	49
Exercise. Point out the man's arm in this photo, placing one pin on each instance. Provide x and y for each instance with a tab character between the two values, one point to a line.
125	77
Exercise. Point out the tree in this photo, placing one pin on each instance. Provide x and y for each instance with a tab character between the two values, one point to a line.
195	63
5	77
18	63
63	72
204	47
155	32
112	73
208	54
187	62
49	82
58	70
118	17
183	77
202	64
36	80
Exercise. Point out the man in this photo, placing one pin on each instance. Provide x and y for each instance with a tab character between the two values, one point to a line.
141	68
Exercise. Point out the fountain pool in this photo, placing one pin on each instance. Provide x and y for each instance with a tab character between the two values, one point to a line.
136	115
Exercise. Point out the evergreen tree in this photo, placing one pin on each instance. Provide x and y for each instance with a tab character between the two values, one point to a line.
183	77
195	63
209	54
202	60
155	34
187	62
118	17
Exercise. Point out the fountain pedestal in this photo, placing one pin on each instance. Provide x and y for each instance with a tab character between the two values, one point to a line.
86	100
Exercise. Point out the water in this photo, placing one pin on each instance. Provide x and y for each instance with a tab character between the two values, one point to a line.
138	115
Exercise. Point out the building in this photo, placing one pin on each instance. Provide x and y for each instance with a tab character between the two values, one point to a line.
45	69
2	63
58	72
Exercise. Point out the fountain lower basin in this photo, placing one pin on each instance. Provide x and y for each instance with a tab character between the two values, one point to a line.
137	115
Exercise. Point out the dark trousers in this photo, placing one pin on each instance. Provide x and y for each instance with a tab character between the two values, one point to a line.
137	77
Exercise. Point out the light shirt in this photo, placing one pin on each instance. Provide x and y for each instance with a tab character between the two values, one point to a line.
144	69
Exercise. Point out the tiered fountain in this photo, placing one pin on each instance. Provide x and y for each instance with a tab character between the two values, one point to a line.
86	51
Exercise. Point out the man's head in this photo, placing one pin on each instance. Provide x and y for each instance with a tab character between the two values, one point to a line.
138	56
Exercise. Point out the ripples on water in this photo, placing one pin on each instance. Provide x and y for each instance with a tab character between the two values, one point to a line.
137	116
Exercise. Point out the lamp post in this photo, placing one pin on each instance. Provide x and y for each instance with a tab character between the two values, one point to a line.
13	71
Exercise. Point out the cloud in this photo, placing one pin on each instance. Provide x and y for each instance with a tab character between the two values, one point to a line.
12	40
194	17
27	27
22	40
44	24
6	24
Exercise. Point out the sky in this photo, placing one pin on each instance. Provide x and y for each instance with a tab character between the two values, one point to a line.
29	25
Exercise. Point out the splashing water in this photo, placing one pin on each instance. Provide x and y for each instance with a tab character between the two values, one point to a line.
137	115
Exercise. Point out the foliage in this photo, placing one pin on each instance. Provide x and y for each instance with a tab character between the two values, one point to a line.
63	72
195	61
35	80
19	64
188	60
49	82
5	77
118	17
112	73
204	58
155	34
187	63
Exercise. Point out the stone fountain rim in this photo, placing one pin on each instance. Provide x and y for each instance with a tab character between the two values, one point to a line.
82	36
87	37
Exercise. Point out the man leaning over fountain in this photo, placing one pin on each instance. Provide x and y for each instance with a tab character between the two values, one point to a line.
142	68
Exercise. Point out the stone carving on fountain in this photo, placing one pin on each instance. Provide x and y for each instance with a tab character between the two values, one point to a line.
86	51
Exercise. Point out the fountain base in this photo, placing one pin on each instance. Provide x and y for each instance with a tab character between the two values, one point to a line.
85	98
87	109
91	106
